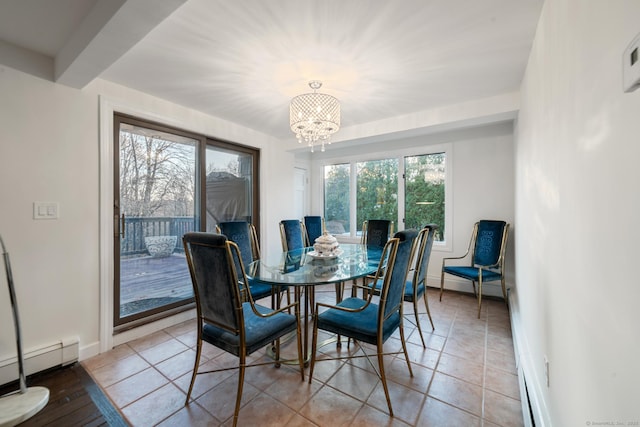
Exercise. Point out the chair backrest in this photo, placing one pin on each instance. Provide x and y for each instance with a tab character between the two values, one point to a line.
244	235
490	242
213	275
376	232
315	227
292	234
391	296
424	245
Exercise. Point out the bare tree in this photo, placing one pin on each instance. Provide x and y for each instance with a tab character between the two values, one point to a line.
157	176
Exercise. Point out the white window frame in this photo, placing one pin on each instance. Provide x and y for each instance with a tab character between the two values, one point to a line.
399	154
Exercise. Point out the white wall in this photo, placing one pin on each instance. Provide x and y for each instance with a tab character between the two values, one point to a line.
49	151
481	159
577	210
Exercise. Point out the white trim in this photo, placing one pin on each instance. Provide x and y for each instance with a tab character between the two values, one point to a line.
539	409
108	107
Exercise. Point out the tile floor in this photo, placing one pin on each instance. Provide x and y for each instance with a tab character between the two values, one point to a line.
465	377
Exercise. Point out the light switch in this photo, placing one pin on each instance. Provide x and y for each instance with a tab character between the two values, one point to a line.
45	210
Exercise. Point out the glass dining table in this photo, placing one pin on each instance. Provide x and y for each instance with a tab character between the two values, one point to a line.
304	269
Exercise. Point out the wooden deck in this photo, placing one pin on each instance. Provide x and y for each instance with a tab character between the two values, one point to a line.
146	277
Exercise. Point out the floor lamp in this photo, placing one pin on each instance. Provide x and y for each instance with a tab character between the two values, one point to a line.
24	403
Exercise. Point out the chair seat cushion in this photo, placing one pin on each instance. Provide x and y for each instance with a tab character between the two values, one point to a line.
361	325
408	291
473	273
259	289
259	331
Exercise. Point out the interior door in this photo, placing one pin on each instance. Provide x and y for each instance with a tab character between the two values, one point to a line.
156	198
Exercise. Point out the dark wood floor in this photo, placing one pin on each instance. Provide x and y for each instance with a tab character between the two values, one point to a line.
74	400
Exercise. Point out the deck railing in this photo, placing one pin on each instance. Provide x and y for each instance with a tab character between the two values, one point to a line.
136	229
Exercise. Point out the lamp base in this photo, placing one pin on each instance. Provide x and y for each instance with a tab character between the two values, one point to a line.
17	407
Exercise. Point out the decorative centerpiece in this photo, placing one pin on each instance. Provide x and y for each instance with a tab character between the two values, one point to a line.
326	245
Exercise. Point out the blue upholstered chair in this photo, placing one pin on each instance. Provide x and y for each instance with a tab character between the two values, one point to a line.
416	286
363	320
376	232
244	235
292	234
314	226
487	248
224	319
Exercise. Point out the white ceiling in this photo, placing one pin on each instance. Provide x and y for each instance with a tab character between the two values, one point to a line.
244	60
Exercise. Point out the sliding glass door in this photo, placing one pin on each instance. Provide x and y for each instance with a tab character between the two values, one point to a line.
168	182
155	203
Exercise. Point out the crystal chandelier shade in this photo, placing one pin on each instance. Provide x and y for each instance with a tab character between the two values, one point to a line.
314	117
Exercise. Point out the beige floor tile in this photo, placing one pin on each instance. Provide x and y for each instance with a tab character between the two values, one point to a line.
300	421
220	401
120	352
502	410
163	351
369	416
136	386
253	413
436	413
149	341
155	407
406	402
502	382
291	390
177	365
462	369
354	381
191	415
329	407
464	350
119	370
398	372
457	393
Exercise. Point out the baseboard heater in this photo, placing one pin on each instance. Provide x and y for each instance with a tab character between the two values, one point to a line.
62	353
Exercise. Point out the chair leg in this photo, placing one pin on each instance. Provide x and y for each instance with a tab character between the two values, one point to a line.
240	384
404	349
314	344
426	304
299	335
441	284
195	367
383	377
415	313
479	294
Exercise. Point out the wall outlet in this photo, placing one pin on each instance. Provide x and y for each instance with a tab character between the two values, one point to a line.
631	65
46	210
546	370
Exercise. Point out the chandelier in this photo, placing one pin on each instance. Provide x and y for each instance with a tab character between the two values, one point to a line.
314	117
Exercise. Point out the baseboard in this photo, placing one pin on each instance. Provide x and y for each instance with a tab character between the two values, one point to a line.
61	353
534	408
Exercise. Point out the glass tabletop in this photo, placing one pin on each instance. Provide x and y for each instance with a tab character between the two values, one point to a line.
303	267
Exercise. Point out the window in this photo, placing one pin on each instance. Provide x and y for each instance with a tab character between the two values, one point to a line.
336	197
424	185
410	190
377	196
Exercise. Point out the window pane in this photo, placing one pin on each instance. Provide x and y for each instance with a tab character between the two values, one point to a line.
156	194
424	191
377	190
336	198
229	186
